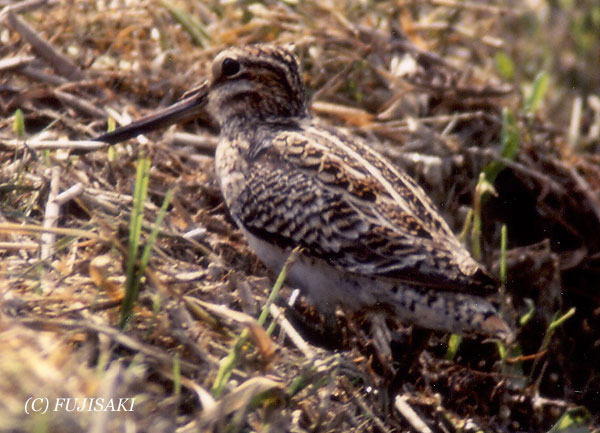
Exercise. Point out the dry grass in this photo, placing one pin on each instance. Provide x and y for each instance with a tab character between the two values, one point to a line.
420	81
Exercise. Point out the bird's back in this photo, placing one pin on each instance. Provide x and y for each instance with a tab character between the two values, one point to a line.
328	192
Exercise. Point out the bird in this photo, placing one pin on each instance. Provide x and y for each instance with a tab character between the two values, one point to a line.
370	237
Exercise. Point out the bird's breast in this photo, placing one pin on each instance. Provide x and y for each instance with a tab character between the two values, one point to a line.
231	169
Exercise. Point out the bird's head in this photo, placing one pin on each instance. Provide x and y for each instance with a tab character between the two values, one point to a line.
257	82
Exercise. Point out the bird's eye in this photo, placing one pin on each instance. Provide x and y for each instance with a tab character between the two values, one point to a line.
230	67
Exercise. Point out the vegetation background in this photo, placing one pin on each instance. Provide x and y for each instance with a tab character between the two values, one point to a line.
494	107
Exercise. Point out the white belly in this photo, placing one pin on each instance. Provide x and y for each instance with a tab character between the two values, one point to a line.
327	287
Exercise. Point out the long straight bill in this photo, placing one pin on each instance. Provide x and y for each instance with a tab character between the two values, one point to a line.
185	109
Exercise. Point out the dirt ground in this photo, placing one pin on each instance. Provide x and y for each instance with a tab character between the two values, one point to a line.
493	107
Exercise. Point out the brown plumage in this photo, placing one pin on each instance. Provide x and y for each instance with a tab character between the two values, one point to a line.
370	235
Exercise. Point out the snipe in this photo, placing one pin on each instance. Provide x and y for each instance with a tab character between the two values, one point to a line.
371	237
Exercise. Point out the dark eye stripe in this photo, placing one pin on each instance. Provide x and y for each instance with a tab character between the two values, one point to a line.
280	71
273	74
248	73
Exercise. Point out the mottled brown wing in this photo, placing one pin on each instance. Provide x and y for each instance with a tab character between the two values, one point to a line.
289	206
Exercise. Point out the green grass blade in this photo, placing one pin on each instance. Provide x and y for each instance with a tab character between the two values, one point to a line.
196	30
176	375
525	318
574	420
505	65
19	124
154	234
537	94
453	345
277	286
503	243
228	363
135	233
557	321
510	140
